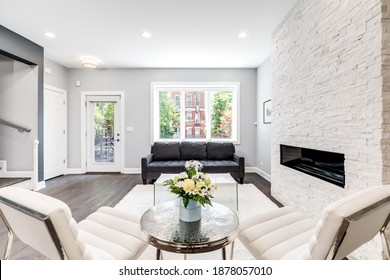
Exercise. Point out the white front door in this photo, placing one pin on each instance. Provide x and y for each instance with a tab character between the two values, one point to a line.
54	132
103	133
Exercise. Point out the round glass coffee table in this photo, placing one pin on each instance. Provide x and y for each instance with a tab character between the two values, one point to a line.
217	229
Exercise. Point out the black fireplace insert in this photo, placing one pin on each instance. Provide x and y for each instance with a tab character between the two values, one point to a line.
324	165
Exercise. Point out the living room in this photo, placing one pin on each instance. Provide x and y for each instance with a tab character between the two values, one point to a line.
324	70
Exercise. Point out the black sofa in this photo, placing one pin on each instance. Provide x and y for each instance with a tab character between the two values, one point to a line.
170	157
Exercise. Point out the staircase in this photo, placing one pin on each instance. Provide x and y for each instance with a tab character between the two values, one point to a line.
27	179
13	178
15	182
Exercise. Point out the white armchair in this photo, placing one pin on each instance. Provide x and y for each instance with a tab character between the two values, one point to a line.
345	225
46	224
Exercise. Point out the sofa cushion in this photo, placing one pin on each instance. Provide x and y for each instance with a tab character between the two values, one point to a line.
219	166
168	166
220	151
166	151
193	150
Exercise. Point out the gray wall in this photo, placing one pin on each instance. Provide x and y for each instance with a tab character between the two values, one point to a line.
21	49
136	84
19	105
264	93
58	77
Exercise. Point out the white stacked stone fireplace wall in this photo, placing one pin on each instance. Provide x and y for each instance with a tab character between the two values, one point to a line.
328	95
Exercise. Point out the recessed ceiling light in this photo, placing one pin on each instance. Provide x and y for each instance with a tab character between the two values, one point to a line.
146	34
49	34
242	35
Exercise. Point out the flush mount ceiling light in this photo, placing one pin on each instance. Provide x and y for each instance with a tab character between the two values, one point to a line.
242	35
146	34
89	62
49	34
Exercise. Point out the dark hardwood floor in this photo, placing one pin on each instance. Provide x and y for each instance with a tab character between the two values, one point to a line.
84	194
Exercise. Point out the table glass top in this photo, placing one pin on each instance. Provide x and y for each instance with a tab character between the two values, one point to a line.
162	222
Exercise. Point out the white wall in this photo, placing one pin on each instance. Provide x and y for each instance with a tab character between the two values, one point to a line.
264	93
327	95
136	84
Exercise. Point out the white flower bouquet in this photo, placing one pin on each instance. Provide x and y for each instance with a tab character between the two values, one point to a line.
192	184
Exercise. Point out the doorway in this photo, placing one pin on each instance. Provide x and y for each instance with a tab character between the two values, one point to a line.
55	124
104	135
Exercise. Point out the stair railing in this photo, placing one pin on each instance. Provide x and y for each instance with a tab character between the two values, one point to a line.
18	127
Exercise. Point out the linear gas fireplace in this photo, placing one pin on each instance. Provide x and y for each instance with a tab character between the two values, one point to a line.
324	165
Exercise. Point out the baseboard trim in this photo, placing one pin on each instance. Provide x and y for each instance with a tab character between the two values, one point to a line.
259	172
16	174
247	169
131	171
256	170
78	171
41	185
75	171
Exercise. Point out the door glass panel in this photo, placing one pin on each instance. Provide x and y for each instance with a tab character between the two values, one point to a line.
104	132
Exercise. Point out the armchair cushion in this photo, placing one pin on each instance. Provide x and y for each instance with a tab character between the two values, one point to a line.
362	213
46	224
346	224
31	232
275	234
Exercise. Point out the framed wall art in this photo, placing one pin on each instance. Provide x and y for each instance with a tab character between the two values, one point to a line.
267	112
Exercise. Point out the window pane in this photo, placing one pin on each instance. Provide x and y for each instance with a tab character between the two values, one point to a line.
221	114
169	114
104	132
203	111
195	114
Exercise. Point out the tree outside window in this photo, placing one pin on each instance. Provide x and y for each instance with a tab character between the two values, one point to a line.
169	116
221	115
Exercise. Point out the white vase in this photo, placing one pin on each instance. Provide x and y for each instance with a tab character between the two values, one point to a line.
192	213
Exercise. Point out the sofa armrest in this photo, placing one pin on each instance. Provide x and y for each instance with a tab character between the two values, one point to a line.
241	163
145	161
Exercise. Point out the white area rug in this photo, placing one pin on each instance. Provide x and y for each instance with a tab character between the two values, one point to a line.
251	201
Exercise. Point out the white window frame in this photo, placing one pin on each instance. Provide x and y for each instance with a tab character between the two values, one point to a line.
197	117
156	87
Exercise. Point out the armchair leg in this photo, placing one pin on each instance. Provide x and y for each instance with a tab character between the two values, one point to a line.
7	250
385	243
144	181
241	181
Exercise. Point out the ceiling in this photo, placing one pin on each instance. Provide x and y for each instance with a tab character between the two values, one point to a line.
184	33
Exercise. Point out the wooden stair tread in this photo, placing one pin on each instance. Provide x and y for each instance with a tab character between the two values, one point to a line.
7	181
